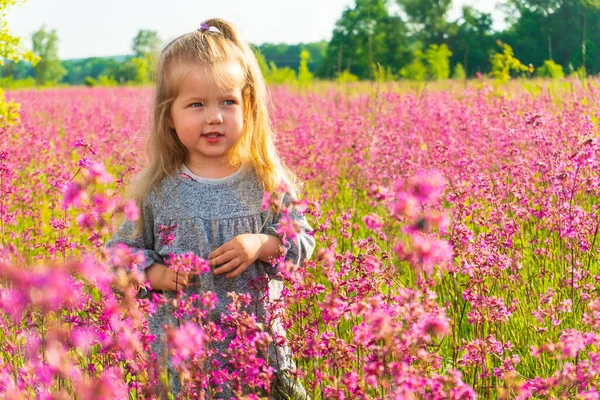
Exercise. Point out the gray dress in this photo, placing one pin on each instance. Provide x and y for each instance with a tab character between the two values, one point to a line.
208	213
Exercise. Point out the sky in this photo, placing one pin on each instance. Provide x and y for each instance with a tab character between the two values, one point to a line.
106	28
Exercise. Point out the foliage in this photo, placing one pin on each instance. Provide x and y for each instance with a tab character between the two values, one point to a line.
416	70
126	71
504	63
364	36
49	69
346	76
427	18
9	83
471	40
146	48
383	74
305	77
9	112
11	47
438	61
288	55
579	72
550	69
279	76
262	62
78	70
369	33
144	67
89	81
554	30
106	81
145	42
459	72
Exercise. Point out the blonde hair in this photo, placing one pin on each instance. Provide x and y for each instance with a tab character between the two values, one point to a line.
256	146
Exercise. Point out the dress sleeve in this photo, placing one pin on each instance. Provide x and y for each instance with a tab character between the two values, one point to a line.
142	243
292	228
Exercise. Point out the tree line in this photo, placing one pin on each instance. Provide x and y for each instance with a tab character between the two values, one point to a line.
371	41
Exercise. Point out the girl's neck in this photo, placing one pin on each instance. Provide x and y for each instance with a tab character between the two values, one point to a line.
212	171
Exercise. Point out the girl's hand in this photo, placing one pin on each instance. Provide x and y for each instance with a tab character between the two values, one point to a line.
162	278
237	255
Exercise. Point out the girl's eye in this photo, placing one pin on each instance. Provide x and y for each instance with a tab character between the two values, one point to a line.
196	105
229	102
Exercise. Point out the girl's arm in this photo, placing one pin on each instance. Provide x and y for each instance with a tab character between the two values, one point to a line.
142	244
271	247
158	276
293	231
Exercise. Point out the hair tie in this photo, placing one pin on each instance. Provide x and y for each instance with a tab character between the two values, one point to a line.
205	28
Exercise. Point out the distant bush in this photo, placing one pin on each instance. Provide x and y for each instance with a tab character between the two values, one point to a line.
279	76
10	83
579	73
89	81
105	80
346	76
305	77
438	61
383	74
459	72
550	69
416	70
504	63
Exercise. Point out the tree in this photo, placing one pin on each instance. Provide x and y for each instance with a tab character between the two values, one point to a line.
363	37
564	31
49	69
472	40
146	48
146	42
288	55
11	48
427	18
592	5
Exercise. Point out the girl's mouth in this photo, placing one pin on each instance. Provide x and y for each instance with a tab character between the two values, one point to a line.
213	136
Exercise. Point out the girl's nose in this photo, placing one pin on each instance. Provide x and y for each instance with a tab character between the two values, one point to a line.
214	116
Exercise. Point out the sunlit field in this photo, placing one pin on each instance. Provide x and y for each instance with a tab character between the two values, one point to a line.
457	247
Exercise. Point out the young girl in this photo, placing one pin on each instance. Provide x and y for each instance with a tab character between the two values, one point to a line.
212	158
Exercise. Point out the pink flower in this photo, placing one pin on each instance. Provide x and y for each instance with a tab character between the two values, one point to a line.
85	220
573	342
13	302
266	201
427	186
131	211
97	171
373	222
287	228
185	342
166	234
435	325
72	196
83	338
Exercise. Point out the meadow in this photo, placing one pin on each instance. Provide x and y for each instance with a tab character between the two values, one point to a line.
457	247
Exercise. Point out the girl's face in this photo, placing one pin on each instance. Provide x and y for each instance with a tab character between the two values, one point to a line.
208	119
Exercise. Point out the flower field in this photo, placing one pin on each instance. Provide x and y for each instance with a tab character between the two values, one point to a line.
457	249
